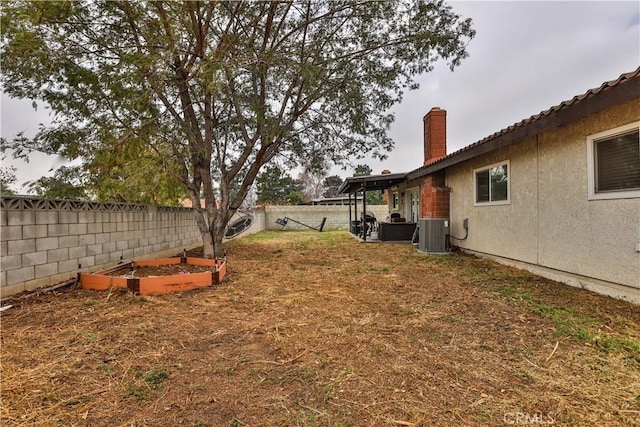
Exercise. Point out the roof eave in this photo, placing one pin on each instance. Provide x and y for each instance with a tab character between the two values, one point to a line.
579	107
358	183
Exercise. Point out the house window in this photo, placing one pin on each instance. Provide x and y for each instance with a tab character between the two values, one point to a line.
394	200
614	163
491	184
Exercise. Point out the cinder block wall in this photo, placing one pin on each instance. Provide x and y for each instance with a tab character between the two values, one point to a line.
45	242
337	216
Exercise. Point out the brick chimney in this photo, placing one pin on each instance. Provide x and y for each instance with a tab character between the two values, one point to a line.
434	198
435	134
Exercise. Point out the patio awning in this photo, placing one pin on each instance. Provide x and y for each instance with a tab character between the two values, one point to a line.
354	184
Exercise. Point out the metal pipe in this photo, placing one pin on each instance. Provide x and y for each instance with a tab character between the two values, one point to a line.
319	228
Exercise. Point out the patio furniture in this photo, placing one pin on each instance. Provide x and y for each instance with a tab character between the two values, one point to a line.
396	231
370	223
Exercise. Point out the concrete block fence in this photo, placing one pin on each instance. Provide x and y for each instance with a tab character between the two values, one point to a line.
46	242
337	216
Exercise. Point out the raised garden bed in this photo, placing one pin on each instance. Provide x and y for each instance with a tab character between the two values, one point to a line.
158	276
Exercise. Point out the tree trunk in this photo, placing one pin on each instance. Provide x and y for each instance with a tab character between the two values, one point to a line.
218	235
208	245
206	233
212	232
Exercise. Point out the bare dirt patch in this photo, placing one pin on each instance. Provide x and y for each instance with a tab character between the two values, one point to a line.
161	270
316	329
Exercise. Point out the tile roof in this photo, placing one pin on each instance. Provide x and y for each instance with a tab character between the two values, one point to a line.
575	101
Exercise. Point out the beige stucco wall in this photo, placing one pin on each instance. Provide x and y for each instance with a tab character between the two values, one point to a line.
550	221
595	238
509	230
404	201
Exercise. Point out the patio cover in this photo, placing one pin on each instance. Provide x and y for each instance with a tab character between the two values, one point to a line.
356	184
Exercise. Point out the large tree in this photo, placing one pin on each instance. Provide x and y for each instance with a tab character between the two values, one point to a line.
275	186
219	89
331	185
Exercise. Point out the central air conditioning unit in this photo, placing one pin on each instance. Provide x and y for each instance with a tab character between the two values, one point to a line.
433	235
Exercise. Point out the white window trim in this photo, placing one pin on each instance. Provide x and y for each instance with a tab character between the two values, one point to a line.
475	189
395	200
413	191
591	175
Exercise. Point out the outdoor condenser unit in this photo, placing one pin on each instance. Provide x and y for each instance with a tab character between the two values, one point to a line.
433	235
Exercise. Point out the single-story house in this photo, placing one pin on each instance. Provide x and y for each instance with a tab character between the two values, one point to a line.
557	193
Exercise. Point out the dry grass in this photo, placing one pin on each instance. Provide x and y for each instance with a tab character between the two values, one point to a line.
315	329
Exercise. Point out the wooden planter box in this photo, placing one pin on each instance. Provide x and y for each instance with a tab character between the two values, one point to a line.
157	284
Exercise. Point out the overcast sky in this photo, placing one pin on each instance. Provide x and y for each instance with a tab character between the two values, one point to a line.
525	58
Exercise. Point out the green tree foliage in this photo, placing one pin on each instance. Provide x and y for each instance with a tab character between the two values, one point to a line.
130	174
106	178
222	88
276	187
66	183
7	179
373	197
362	170
331	185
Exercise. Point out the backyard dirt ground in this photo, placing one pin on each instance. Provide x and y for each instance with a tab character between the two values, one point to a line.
316	329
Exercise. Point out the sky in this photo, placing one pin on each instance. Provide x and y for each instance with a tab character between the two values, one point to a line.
525	58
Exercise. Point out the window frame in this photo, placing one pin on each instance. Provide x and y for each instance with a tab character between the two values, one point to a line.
591	165
506	162
412	208
395	200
